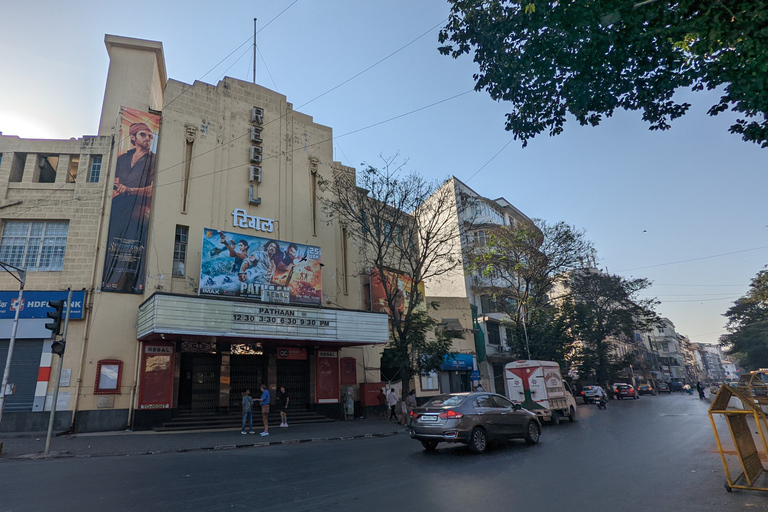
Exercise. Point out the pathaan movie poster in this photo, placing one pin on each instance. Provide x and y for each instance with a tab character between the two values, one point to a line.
237	265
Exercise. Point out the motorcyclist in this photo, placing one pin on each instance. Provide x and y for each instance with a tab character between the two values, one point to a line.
600	394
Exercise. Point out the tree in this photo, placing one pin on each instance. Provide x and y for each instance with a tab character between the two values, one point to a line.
401	224
747	338
588	58
600	309
519	266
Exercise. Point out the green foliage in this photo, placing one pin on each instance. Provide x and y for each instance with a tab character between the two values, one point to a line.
421	351
747	339
602	308
520	266
548	334
588	58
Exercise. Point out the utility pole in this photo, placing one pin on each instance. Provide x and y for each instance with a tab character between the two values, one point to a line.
57	348
22	274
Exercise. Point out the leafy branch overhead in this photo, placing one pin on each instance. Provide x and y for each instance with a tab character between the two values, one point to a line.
747	337
588	58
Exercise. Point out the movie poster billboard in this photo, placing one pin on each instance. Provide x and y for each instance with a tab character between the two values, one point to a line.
404	285
125	259
238	265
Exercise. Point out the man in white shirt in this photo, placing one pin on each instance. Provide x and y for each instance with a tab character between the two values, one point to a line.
392	402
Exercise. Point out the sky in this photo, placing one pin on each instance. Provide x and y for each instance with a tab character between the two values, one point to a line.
685	208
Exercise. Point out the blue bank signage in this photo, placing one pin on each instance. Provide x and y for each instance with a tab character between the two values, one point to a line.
34	304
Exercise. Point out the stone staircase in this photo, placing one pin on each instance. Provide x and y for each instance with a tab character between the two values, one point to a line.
188	420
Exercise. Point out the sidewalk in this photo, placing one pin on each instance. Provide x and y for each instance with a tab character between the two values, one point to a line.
30	445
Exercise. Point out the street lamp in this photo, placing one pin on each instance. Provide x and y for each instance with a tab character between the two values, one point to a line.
22	274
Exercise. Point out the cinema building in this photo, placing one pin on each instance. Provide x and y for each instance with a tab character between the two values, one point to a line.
193	231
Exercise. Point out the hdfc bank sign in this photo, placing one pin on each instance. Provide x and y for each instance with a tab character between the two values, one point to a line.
34	304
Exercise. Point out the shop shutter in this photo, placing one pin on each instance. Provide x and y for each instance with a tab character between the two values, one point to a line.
24	369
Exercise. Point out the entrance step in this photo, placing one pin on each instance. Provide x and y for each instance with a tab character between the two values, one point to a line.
187	420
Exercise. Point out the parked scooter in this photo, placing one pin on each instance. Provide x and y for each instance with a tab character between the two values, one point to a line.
601	402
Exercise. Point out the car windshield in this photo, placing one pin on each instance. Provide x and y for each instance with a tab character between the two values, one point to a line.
445	401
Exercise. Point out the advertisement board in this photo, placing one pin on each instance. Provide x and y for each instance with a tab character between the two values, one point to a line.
238	265
404	285
34	304
125	258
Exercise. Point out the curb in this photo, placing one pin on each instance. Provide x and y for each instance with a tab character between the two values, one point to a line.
221	447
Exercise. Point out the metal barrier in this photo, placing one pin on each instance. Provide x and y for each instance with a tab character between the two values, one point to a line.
752	467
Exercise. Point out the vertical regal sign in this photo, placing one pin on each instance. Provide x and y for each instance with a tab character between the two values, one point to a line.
254	172
125	259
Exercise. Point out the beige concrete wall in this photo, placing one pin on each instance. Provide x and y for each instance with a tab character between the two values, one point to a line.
454	282
220	117
81	203
136	78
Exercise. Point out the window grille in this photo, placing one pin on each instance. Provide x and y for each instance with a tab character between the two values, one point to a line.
34	246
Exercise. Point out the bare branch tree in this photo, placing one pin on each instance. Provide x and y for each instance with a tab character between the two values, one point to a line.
404	226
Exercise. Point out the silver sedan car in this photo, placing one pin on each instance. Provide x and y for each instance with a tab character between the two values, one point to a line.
472	419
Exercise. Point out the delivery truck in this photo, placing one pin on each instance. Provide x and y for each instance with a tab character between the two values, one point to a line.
539	387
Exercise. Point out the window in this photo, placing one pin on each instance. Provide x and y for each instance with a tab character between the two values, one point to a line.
46	169
74	163
93	175
109	372
34	246
180	251
429	382
494	337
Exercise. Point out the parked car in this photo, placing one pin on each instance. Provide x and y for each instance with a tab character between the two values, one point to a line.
663	387
588	394
646	389
622	391
472	419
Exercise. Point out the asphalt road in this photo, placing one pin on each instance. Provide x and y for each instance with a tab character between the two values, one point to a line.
653	454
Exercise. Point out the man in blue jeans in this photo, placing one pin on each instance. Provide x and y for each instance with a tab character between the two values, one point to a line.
247	412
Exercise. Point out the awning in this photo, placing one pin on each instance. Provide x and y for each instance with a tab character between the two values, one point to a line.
458	362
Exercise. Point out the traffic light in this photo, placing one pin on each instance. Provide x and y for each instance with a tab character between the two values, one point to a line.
58	346
56	315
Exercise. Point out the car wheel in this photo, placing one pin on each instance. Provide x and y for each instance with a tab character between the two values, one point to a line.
572	415
555	417
533	433
429	445
478	441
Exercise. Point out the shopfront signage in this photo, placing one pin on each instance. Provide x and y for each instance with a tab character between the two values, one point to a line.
199	316
243	220
248	319
34	304
293	353
254	172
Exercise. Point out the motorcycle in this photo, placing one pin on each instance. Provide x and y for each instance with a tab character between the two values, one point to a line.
601	402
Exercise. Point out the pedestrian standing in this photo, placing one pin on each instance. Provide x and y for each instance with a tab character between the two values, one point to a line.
247	412
392	402
410	402
264	399
281	401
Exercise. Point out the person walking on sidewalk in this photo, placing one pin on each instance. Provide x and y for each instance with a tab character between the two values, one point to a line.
281	401
392	402
264	399
247	412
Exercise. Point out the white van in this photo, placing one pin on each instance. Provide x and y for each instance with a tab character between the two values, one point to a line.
538	386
